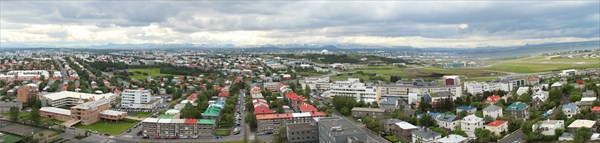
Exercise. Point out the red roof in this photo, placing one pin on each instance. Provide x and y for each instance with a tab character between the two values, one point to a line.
192	97
219	88
191	121
307	108
224	94
318	114
580	81
294	97
533	79
493	98
596	108
262	109
54	78
273	116
281	85
72	78
497	123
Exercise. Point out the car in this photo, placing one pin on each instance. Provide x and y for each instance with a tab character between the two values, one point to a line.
145	137
218	137
107	134
194	137
236	130
129	130
183	137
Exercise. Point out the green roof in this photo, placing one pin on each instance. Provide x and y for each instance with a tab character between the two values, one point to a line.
259	95
517	106
166	116
206	121
212	111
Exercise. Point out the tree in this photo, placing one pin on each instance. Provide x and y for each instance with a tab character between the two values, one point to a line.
575	97
525	97
14	113
483	135
426	120
35	115
457	130
463	114
514	125
251	120
189	111
582	135
307	91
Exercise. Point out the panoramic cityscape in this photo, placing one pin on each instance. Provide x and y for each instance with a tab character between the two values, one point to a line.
299	71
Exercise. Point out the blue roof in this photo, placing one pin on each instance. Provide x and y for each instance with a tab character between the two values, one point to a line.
432	114
571	106
466	108
446	117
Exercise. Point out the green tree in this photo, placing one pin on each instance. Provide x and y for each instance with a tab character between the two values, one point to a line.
251	120
483	135
307	91
189	111
575	97
14	113
525	97
582	135
426	120
35	115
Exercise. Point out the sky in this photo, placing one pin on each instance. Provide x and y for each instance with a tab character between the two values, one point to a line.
421	24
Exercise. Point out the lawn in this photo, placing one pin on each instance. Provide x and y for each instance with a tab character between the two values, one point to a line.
10	138
151	72
25	116
141	114
379	72
113	128
391	138
537	67
222	132
442	71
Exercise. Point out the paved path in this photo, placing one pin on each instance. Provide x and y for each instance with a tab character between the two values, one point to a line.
517	135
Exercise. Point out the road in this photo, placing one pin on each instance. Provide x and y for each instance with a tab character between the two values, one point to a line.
371	137
518	135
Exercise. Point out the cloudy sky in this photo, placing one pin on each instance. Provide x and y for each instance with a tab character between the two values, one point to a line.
452	24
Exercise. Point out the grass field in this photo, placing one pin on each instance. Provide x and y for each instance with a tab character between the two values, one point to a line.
537	67
152	72
9	138
104	127
466	72
141	114
373	72
222	132
25	116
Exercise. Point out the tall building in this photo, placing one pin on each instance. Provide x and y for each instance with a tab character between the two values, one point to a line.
338	130
131	98
25	91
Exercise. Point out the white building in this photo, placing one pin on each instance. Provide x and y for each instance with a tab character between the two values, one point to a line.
522	90
470	123
137	99
452	138
548	127
497	126
353	88
480	87
492	111
69	98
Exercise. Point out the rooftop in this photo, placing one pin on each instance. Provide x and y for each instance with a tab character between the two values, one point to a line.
70	94
206	121
582	123
150	120
492	108
497	123
113	112
425	133
56	110
300	127
405	125
166	116
367	109
466	108
519	106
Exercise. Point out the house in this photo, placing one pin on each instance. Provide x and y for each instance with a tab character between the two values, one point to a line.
538	98
522	90
590	124
570	109
518	110
452	138
566	137
404	131
596	110
492	111
469	109
448	121
424	135
367	112
389	125
389	104
493	99
497	126
548	127
588	93
470	123
533	80
587	102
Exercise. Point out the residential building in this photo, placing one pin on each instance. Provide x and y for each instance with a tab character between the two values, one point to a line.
273	86
470	123
590	124
205	127
498	127
448	121
518	110
452	138
26	91
596	110
492	111
389	104
353	88
338	130
493	99
548	127
469	109
522	90
570	109
389	125
475	88
302	133
359	112
270	123
423	135
6	105
587	102
533	81
188	128
538	98
404	131
589	93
